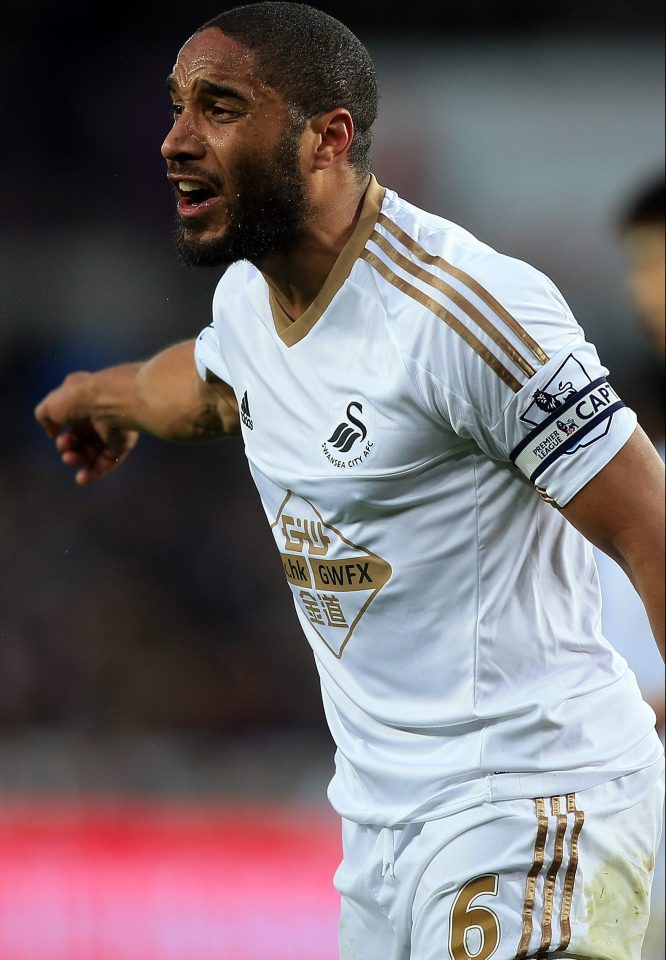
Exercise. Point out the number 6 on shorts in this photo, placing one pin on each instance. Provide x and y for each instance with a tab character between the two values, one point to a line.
465	917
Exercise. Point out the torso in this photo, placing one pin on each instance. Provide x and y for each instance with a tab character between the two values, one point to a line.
450	611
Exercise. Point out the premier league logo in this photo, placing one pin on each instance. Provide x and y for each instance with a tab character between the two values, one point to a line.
568	427
567	413
550	402
571	378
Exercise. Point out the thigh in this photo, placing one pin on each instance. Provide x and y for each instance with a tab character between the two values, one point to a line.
366	930
619	843
561	877
469	903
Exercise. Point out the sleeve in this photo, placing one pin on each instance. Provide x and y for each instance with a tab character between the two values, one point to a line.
545	405
208	354
566	424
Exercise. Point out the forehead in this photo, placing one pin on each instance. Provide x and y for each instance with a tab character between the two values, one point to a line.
212	56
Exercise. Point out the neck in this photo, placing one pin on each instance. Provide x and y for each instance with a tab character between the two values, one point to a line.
297	277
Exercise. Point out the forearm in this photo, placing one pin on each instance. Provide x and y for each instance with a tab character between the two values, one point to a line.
158	396
162	396
621	511
642	559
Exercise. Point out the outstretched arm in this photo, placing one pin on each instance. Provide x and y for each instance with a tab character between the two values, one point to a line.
621	511
95	418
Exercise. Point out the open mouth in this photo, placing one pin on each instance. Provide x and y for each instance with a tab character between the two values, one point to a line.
194	197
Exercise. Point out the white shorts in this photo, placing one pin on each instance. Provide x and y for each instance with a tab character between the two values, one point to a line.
565	876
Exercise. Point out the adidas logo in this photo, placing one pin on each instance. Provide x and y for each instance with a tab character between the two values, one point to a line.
245	412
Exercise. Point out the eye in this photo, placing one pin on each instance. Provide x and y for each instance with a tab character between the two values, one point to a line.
176	109
220	112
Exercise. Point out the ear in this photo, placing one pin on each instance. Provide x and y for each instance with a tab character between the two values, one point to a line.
334	132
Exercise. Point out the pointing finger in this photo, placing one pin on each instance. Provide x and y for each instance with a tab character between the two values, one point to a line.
50	427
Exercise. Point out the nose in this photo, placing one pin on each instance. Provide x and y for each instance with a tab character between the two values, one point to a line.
182	141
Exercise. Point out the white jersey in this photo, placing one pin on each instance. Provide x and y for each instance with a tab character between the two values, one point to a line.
396	433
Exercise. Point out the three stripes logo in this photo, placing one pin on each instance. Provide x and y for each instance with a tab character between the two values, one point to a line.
556	844
345	436
245	412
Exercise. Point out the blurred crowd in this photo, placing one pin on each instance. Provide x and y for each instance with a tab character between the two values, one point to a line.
155	600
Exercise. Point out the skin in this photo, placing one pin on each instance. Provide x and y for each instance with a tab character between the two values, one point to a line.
212	133
95	419
645	246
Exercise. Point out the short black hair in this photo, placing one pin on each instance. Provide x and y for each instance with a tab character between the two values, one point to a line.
315	62
646	208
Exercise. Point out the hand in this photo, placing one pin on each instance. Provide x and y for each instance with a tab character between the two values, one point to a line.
91	445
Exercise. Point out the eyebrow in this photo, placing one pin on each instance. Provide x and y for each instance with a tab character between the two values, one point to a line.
208	88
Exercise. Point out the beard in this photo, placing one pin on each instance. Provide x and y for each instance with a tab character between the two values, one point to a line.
267	214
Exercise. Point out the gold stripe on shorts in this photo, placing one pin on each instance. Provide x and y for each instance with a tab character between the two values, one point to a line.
455	296
502	372
472	284
551	877
570	878
530	886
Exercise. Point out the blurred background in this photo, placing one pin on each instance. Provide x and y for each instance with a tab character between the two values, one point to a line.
163	754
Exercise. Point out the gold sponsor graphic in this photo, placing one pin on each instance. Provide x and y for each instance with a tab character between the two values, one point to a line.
296	570
334	581
302	534
357	573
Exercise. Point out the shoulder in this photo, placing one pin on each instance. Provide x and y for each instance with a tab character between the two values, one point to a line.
453	260
238	281
479	312
215	347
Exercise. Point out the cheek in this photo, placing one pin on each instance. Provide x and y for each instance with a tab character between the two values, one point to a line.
653	285
647	282
220	147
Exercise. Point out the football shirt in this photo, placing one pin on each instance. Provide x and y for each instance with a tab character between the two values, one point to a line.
396	433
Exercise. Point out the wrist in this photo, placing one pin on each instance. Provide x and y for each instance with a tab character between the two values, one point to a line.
110	395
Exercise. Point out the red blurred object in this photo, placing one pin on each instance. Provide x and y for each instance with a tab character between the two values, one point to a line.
128	880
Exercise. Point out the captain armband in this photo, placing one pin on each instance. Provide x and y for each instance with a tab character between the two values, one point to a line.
562	425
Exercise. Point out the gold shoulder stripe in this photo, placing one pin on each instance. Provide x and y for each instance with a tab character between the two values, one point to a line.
570	878
551	877
444	315
470	282
456	297
535	870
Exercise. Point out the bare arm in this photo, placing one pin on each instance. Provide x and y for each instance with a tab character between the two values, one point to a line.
621	511
95	418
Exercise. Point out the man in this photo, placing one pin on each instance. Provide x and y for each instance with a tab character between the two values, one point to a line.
624	622
642	228
401	389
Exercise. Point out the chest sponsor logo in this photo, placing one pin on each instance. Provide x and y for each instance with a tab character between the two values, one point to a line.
569	412
348	445
333	580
